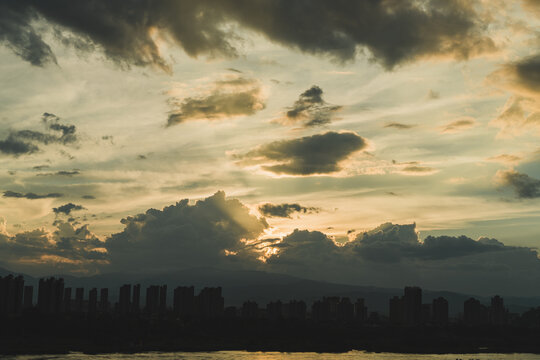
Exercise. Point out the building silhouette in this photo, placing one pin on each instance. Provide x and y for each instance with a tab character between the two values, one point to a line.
92	301
396	310
79	300
184	301
124	300
412	306
163	299
11	294
440	311
136	300
152	299
475	313
28	296
498	314
104	300
250	310
50	295
67	300
360	310
294	309
210	303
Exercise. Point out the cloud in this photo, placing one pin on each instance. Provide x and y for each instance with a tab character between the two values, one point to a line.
505	159
183	235
24	142
399	126
309	155
88	197
68	249
458	125
310	109
68	173
129	33
67	208
522	110
30	195
285	210
433	95
524	186
231	97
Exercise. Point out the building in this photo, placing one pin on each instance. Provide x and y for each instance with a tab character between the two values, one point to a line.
498	314
28	297
210	303
136	300
152	299
163	299
11	294
274	310
474	313
104	300
294	310
250	310
50	295
67	300
92	301
345	310
440	311
124	300
360	310
79	300
184	301
395	305
412	306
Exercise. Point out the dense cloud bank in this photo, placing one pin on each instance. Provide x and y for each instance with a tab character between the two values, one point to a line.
310	109
221	232
394	32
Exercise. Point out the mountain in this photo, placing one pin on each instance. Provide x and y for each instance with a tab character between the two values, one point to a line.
262	287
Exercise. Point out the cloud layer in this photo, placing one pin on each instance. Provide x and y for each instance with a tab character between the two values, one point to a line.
310	109
393	32
285	210
231	97
309	155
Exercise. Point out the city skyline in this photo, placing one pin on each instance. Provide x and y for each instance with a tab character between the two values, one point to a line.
370	143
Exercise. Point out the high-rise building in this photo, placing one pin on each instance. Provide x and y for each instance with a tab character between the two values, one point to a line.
163	299
345	310
412	305
183	301
28	296
497	311
67	300
11	294
79	300
250	310
92	301
294	310
274	310
124	301
210	303
396	310
360	310
152	299
440	311
136	302
50	295
104	300
474	313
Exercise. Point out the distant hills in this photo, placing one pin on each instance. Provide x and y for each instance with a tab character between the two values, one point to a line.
262	287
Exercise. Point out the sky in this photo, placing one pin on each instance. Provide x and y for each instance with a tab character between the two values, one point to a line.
366	142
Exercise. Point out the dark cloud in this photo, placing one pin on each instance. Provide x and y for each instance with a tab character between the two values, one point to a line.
67	208
285	210
23	142
309	155
236	96
141	157
89	197
212	231
40	167
433	95
394	32
399	126
524	186
31	195
310	109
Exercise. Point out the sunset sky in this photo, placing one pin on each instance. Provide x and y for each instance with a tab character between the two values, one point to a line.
334	118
